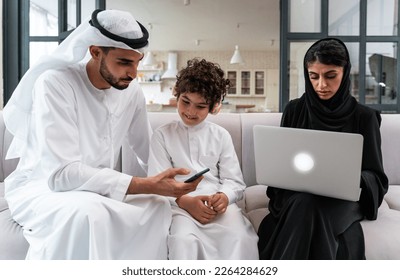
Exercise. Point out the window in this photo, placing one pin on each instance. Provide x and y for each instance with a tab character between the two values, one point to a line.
305	16
370	32
344	17
33	28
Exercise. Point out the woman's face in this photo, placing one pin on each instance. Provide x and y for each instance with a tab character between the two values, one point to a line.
192	108
325	79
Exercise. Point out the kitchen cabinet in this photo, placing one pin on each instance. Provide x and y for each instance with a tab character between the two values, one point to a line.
149	77
247	83
149	74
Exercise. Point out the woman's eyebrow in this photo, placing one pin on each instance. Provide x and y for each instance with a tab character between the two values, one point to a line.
327	72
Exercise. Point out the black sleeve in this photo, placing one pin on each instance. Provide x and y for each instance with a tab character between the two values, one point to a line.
288	119
374	182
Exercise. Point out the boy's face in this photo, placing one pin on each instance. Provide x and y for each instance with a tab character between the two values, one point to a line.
192	108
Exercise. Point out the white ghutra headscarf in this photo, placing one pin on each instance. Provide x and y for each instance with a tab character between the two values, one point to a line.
108	28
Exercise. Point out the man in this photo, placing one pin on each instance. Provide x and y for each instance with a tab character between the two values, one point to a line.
69	118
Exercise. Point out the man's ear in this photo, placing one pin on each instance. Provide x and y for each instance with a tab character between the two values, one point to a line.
95	52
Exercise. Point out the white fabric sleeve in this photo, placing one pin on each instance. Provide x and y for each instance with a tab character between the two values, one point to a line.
135	149
58	141
80	177
159	158
231	176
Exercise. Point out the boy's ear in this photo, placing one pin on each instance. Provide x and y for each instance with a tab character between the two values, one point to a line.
217	108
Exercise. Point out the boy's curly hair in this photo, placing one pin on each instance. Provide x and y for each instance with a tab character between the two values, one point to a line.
205	78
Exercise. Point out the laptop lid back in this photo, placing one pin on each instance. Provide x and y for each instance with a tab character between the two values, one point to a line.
319	162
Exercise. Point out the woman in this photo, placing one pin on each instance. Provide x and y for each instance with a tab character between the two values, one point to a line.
306	226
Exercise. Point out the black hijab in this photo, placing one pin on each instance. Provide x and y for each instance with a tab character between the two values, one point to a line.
340	113
333	114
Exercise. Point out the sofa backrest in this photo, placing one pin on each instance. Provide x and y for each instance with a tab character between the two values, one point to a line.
240	126
230	121
248	121
6	166
390	133
2	147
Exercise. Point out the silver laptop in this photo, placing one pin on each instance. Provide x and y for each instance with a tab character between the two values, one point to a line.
319	162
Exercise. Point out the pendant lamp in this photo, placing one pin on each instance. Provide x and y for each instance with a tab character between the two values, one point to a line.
172	69
237	58
149	59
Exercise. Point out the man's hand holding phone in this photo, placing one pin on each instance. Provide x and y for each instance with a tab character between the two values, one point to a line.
163	183
197	175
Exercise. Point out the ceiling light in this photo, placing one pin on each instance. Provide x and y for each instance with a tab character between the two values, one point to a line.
237	58
186	2
172	69
149	59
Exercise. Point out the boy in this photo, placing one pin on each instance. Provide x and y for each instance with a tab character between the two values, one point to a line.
206	223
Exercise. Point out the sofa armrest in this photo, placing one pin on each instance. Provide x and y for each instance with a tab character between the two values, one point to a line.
256	197
393	197
256	203
3	204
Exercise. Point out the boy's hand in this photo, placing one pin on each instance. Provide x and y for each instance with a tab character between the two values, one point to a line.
196	206
219	202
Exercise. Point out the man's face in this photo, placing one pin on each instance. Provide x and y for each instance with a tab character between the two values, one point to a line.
119	67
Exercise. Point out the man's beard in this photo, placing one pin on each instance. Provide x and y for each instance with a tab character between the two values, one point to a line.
109	78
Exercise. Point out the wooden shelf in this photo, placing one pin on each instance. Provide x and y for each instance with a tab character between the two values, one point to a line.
154	68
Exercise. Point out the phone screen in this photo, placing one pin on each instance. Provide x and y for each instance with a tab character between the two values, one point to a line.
197	175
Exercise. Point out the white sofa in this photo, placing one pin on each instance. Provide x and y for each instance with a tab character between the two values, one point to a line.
382	236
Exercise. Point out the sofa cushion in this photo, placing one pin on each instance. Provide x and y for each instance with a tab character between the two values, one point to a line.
256	216
390	131
256	197
13	245
382	238
248	122
256	204
378	234
1	189
393	197
7	166
3	204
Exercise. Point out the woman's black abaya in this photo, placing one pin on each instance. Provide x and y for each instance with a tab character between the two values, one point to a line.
306	226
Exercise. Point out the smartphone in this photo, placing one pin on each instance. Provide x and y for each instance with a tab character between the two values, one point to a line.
197	175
